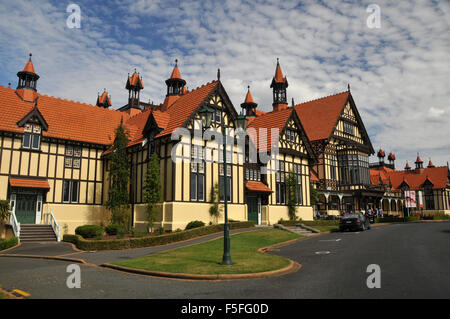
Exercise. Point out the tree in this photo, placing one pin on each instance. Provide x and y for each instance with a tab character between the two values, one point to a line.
292	194
118	196
215	209
4	211
152	188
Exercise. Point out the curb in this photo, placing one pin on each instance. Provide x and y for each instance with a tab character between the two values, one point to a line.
11	248
292	267
75	260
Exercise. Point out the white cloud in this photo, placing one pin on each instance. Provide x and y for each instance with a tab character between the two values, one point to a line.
399	74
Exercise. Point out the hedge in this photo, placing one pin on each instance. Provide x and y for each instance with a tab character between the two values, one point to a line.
89	231
128	243
115	229
5	244
396	219
195	224
322	222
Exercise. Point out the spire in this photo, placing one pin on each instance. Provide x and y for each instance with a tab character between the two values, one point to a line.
249	104
104	100
27	77
134	86
381	155
279	85
175	84
430	164
419	162
407	167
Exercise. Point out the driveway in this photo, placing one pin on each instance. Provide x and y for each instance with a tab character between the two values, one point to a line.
413	259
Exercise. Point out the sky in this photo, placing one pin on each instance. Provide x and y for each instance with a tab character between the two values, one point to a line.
398	66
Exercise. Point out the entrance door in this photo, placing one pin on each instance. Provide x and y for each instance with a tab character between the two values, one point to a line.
252	207
26	208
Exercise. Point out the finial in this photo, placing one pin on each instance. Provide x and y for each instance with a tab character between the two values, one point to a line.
278	60
248	88
30	56
176	62
104	90
218	74
293	102
348	87
9	84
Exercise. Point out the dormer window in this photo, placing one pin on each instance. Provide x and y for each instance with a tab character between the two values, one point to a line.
290	135
32	136
348	128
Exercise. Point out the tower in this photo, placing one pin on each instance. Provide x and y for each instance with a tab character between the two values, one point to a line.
419	162
391	158
26	86
279	85
134	86
175	84
104	100
249	105
175	87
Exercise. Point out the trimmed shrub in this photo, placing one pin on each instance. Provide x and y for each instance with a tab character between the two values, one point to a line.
149	241
195	224
5	244
322	222
89	231
115	229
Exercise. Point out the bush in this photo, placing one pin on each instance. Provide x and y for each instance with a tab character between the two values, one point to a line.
322	222
5	244
194	224
89	231
115	229
149	241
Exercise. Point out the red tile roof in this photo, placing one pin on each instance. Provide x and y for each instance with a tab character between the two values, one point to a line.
29	183
319	117
276	120
184	106
381	153
391	157
175	73
415	179
313	176
256	186
104	97
135	80
248	97
66	119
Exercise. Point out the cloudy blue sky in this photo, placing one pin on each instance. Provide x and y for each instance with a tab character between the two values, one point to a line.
399	73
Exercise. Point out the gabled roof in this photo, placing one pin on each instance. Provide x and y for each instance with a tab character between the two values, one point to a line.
414	179
29	183
276	120
181	110
134	81
29	67
104	98
320	116
66	119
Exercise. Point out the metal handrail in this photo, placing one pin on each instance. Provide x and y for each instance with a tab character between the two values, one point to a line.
14	223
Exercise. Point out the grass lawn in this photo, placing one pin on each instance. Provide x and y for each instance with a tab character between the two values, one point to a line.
3	295
205	258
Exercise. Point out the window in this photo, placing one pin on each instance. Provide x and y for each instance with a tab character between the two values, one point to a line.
298	189
354	169
221	182
281	184
348	128
73	157
70	191
333	166
197	174
429	201
252	174
218	117
31	136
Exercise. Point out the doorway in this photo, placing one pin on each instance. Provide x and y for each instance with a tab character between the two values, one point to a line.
26	208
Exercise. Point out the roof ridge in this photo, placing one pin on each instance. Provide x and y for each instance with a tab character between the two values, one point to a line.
80	103
321	98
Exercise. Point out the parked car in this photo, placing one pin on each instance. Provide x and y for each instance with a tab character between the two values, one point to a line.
354	222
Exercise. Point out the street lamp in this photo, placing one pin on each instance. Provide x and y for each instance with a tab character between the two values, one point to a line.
207	113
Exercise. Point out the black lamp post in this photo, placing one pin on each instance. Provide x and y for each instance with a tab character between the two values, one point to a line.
206	113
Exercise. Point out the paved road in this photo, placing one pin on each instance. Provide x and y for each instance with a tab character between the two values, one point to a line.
414	260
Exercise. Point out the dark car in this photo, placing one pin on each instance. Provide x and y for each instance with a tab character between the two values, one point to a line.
354	222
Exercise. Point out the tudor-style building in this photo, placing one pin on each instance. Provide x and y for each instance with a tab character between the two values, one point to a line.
431	186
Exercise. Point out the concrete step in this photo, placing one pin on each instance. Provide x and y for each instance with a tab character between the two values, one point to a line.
36	233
